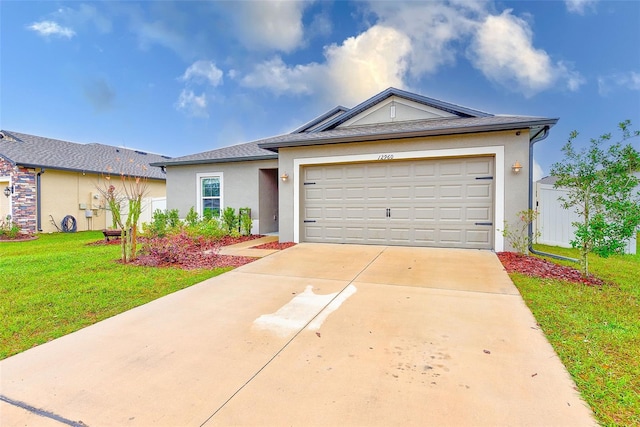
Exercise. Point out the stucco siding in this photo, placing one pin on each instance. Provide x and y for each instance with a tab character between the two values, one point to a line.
66	193
240	184
507	146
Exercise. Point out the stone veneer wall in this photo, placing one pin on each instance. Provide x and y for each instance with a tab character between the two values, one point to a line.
23	200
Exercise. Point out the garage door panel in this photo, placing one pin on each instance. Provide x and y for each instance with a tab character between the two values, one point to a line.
451	191
400	171
480	237
450	235
354	212
436	202
333	213
333	193
450	214
479	191
311	194
424	214
479	168
400	192
376	172
422	192
377	193
313	213
424	170
478	214
451	168
355	193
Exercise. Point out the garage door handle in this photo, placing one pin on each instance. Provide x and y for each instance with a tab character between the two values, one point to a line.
309	220
388	213
484	223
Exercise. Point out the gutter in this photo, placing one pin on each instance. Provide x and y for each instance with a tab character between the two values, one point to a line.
532	141
38	200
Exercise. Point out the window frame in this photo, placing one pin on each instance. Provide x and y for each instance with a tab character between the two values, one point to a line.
199	197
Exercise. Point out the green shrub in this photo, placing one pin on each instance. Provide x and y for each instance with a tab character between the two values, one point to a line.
163	223
246	223
192	217
230	220
9	228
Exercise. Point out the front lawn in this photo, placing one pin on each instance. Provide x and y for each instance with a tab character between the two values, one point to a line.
595	330
58	284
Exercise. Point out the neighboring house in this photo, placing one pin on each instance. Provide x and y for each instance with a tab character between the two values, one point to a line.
397	169
554	222
45	180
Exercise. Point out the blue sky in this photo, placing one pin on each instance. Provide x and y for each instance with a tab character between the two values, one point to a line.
178	78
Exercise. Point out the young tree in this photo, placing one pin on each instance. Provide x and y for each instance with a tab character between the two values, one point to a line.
602	190
132	190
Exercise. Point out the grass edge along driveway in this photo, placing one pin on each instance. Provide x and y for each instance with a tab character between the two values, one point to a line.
58	284
595	331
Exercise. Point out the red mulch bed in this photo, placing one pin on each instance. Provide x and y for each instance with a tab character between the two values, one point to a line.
536	267
274	245
199	261
19	238
190	257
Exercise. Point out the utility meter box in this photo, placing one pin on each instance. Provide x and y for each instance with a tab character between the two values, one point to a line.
88	213
95	201
82	206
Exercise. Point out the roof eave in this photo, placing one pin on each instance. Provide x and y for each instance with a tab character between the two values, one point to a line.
222	160
274	146
58	168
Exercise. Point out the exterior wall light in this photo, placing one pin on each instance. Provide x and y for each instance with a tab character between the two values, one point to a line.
516	167
284	177
8	191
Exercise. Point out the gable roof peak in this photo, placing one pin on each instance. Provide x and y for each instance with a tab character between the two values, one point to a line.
458	110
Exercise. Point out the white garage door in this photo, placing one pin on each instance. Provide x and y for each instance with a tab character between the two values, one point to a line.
435	202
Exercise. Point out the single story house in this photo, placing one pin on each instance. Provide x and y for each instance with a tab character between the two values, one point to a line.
44	180
397	169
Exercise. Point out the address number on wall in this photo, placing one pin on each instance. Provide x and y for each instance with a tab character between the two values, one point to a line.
385	157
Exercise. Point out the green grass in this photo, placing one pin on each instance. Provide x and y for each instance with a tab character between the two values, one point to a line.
57	284
595	331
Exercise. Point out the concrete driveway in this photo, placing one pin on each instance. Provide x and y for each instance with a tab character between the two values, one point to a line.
317	334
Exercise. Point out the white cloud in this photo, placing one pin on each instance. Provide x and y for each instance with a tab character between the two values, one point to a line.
433	27
51	28
353	71
279	78
364	65
502	49
192	104
629	80
411	39
269	25
203	71
580	6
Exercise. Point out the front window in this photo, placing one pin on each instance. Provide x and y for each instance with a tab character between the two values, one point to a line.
210	195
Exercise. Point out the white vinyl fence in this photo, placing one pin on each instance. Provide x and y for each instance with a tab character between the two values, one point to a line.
554	222
149	205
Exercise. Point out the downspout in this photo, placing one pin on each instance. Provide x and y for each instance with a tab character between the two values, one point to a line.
38	203
537	138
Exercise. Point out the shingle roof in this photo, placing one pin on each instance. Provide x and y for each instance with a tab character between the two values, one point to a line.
406	129
234	153
36	151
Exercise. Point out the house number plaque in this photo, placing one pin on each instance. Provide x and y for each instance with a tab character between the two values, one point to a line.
385	157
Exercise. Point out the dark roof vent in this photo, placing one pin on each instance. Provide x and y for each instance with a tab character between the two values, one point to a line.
140	152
